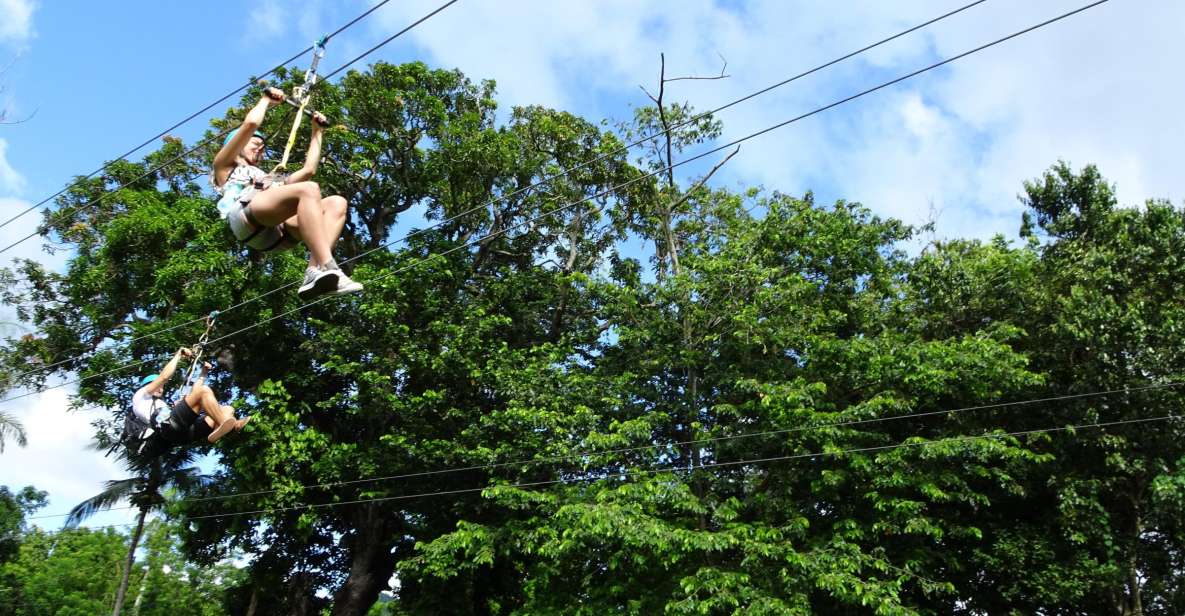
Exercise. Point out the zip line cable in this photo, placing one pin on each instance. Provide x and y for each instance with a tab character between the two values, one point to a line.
188	118
551	178
391	38
626	147
696	157
608	190
702	441
224	133
651	471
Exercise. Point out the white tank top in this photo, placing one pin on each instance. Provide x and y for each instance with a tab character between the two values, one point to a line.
146	406
241	178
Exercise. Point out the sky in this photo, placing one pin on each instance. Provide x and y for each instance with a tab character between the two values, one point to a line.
86	82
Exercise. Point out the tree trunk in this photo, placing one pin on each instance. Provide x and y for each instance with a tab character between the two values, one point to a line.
254	602
121	594
1135	602
140	594
372	563
301	590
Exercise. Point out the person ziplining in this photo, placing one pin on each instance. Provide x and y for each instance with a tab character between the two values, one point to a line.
152	426
269	212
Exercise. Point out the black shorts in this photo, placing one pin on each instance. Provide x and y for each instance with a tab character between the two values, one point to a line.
201	430
184	425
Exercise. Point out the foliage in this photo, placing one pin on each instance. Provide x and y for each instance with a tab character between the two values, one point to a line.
625	391
77	571
14	507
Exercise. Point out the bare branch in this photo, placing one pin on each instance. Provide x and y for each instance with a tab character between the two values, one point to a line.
697	78
648	94
704	180
5	122
662	116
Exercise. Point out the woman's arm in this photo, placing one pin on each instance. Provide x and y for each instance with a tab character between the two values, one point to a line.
313	156
224	160
167	372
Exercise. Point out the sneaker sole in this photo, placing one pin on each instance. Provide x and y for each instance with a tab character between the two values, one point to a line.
354	288
326	283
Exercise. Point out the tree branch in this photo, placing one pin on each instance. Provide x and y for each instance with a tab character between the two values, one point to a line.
699	184
698	78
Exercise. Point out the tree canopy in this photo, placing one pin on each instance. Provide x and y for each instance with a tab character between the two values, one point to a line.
582	384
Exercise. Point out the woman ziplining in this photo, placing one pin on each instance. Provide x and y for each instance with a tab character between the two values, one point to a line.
152	426
267	211
267	214
195	416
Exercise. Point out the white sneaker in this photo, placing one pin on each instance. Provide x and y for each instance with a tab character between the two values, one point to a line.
318	281
345	285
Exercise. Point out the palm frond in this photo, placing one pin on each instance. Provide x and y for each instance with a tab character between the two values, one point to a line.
11	428
190	479
116	490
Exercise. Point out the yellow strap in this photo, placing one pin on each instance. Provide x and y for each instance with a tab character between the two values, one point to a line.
306	93
292	135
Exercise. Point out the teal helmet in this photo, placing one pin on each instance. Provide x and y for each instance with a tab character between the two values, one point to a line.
231	135
148	379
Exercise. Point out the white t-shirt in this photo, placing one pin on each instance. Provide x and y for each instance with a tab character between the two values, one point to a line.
240	179
145	406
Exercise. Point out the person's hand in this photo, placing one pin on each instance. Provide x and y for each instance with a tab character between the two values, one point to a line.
185	352
319	120
206	367
273	96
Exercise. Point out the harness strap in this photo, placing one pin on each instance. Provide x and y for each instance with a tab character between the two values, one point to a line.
254	222
281	237
197	352
304	94
251	216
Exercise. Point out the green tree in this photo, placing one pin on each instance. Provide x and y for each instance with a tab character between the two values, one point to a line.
767	325
750	413
171	585
67	573
174	470
14	507
331	404
73	571
1095	528
1109	319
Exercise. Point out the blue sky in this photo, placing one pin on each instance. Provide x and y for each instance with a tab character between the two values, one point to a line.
953	146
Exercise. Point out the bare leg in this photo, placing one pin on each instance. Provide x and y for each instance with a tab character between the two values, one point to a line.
301	200
333	221
201	399
335	217
238	423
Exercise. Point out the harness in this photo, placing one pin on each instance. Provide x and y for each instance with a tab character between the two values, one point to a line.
152	438
241	185
244	181
303	94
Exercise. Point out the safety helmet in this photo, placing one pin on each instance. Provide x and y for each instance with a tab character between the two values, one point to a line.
148	379
231	135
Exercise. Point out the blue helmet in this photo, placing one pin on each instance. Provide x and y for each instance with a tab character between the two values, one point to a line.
231	135
148	379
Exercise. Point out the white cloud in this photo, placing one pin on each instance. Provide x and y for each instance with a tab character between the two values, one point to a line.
20	228
11	181
1092	88
267	19
270	19
58	459
16	21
